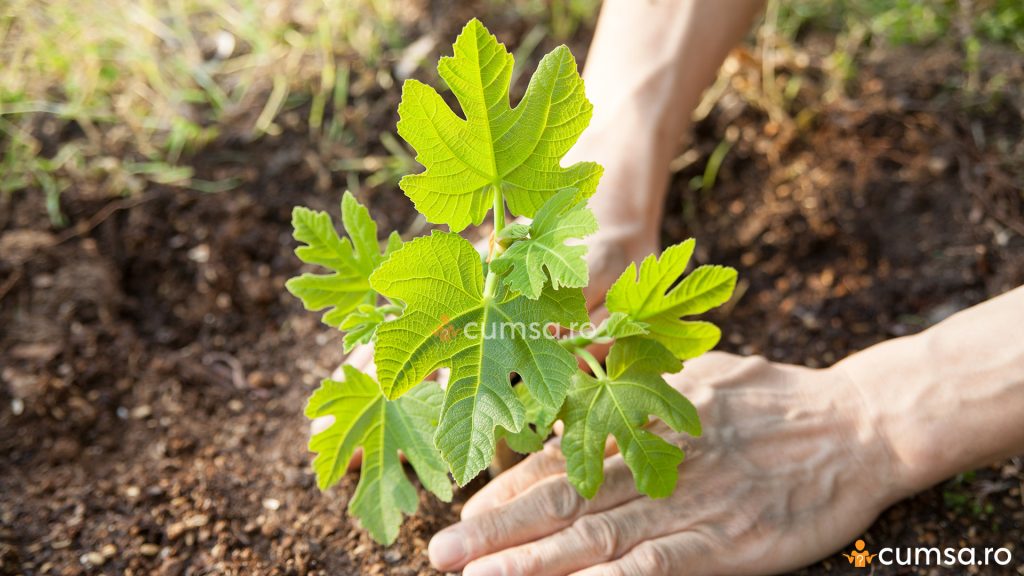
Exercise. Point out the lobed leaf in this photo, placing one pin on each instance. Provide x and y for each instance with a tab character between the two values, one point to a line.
351	260
537	424
363	417
619	404
360	326
562	217
620	325
515	150
450	322
652	299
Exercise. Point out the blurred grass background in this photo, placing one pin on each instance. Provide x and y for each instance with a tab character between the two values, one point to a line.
112	96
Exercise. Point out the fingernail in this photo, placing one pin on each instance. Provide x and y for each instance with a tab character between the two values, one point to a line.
447	549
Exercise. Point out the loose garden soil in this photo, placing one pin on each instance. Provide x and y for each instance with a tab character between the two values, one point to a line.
154	370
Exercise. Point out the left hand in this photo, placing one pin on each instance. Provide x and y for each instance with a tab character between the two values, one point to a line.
790	469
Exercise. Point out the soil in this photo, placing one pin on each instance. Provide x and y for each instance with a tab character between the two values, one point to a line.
154	369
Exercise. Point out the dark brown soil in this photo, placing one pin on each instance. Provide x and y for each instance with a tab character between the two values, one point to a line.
154	369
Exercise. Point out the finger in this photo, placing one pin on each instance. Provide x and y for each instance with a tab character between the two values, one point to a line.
712	367
516	480
590	540
680	553
546	508
520	477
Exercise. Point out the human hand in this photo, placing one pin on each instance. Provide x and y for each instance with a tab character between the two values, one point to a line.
791	468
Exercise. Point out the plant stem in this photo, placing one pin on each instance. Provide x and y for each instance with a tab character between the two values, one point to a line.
491	283
499	208
595	366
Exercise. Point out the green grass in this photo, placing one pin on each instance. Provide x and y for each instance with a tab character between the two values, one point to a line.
857	25
130	88
116	95
140	84
907	21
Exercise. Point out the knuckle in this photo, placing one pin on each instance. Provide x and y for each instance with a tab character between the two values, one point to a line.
652	559
552	450
560	500
511	565
527	562
601	533
492	526
550	459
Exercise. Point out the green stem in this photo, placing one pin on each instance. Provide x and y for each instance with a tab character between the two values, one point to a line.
578	341
491	283
595	366
499	209
390	309
582	340
499	223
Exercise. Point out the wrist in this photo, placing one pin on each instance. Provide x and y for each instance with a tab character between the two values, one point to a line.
881	423
950	398
916	402
631	193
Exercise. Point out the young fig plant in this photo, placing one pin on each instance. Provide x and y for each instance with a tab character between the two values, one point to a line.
436	302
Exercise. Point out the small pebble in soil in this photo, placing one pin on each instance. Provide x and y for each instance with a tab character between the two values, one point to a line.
392	556
92	559
197	521
258	379
172	567
175	530
269	529
149	549
271	504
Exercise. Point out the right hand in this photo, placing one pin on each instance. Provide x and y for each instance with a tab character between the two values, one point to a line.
790	468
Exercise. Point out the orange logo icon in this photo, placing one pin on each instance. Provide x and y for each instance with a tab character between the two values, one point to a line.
860	557
446	332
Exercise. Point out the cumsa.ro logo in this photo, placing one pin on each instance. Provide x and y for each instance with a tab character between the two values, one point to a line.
860	557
